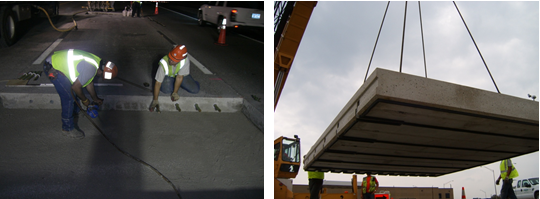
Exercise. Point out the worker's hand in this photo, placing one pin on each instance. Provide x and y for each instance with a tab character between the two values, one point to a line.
175	97
98	101
497	182
154	104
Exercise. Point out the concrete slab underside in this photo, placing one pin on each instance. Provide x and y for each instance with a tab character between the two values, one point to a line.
399	124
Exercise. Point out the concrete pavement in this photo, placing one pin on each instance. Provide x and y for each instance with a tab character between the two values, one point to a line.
205	155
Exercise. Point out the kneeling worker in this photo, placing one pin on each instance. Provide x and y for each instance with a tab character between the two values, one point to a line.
70	71
173	73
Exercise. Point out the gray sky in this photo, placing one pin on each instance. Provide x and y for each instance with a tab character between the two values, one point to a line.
332	60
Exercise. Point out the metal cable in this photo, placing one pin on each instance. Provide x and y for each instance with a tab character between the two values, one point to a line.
403	37
377	40
422	32
476	47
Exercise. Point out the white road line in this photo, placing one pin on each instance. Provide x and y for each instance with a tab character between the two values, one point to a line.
47	52
199	65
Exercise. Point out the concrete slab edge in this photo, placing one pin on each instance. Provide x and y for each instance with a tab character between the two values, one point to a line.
125	102
256	117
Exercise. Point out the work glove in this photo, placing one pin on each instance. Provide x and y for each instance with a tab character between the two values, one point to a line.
175	97
154	104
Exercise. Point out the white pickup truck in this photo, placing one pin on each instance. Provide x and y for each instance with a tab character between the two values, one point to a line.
526	188
237	13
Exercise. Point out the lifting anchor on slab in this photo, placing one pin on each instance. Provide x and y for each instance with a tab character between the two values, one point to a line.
217	108
178	107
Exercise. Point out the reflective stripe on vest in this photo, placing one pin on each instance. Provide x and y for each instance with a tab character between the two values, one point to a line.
71	58
368	182
66	61
504	170
166	67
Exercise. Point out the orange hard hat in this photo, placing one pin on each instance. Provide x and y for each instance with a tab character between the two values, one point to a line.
110	70
178	53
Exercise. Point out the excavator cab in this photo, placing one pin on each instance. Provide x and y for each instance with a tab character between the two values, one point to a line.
286	157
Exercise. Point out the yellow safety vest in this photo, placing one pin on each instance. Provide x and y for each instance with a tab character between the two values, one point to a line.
315	175
164	62
504	169
66	61
369	184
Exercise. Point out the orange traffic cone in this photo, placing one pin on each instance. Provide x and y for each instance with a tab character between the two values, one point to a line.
156	11
463	193
221	39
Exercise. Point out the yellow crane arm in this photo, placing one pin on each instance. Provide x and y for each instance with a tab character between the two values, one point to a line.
288	44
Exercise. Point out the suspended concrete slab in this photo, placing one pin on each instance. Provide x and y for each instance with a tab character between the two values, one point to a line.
400	124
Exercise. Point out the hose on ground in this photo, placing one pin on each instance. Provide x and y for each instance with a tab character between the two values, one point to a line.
61	30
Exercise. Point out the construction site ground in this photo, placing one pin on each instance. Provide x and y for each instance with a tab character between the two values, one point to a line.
214	152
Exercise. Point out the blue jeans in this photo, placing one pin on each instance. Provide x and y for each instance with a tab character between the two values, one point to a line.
507	190
188	84
69	108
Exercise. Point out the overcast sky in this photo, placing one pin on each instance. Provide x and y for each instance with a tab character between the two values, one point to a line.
332	60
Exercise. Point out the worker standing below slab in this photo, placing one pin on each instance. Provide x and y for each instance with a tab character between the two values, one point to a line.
173	73
370	184
508	172
315	183
70	71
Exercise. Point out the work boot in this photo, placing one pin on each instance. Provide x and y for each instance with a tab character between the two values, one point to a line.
73	134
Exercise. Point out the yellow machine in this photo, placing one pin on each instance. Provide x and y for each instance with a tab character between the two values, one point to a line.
287	41
286	166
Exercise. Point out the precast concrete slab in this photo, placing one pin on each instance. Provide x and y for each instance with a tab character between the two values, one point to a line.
400	124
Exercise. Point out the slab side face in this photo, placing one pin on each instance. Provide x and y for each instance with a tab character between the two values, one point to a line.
400	124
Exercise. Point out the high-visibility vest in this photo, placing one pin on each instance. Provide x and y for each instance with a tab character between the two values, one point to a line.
315	175
164	62
369	184
66	61
504	169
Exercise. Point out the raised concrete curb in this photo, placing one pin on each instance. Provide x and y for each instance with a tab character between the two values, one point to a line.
125	102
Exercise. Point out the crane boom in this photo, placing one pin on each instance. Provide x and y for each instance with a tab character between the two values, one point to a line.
290	38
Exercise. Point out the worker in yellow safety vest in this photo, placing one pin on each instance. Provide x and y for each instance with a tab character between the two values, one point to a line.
315	183
71	70
508	172
172	74
370	184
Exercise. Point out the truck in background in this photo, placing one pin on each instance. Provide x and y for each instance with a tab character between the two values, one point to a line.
236	13
526	188
13	12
